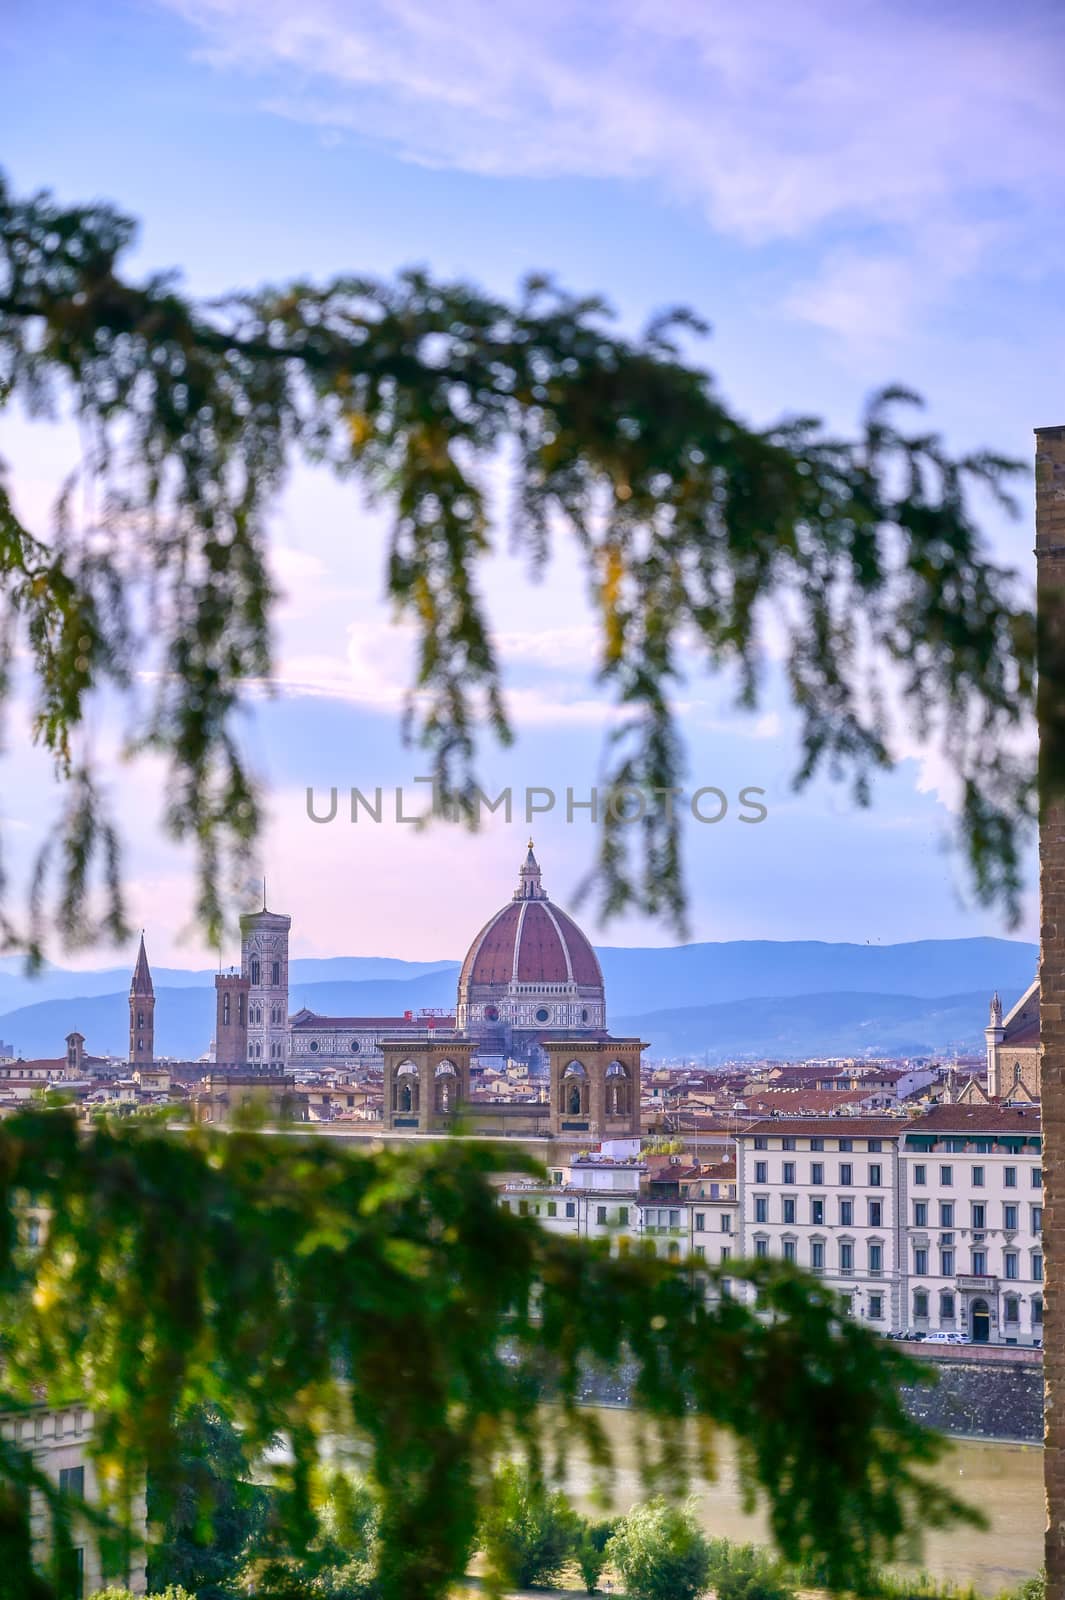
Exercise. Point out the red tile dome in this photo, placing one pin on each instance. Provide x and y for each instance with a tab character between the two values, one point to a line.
530	942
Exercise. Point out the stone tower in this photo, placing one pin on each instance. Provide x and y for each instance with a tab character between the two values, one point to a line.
142	1012
231	1020
264	963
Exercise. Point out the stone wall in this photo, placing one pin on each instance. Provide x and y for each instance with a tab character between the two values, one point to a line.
972	1398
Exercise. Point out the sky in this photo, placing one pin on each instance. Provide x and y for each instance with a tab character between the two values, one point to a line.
851	195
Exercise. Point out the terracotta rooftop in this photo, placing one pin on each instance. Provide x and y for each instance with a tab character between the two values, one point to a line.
964	1119
836	1127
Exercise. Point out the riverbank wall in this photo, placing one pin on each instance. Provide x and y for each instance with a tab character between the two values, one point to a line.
971	1397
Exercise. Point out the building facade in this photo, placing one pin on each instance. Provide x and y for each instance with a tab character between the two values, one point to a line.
1013	1049
824	1194
971	1192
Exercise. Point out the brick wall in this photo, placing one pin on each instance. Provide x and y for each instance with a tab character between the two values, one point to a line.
1050	553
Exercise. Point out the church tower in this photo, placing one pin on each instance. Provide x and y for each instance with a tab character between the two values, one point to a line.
264	964
142	1012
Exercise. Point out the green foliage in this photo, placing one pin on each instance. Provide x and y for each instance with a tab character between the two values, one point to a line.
660	1553
338	1560
744	1572
209	1508
590	1551
528	1532
692	526
173	1591
315	1291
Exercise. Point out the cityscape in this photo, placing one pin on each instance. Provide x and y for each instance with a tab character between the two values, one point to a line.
532	801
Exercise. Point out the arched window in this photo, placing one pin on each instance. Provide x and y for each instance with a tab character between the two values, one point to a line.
618	1091
255	970
447	1086
225	1010
575	1091
275	973
405	1096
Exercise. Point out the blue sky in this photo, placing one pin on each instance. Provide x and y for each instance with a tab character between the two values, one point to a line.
851	195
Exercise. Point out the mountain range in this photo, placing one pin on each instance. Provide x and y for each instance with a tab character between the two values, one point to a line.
714	1000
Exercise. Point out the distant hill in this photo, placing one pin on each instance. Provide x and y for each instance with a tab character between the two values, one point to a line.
708	974
792	1026
697	992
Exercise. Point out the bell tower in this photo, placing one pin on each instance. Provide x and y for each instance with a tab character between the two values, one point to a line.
142	1012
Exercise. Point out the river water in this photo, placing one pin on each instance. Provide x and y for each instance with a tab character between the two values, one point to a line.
1004	1480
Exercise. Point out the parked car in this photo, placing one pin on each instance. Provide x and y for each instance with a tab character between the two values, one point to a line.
945	1338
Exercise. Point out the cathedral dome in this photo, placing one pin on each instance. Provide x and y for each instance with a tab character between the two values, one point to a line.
528	961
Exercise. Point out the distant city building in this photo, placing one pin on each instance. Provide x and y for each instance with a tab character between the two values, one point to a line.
141	1012
1013	1049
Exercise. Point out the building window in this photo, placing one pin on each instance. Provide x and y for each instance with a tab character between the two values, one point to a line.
920	1304
1012	1262
946	1306
787	1143
876	1259
846	1144
978	1177
726	1255
1012	1311
556	1177
1037	1219
761	1142
275	974
874	1175
979	1263
225	1009
761	1208
876	1213
761	1172
726	1222
920	1213
1037	1178
920	1261
846	1174
817	1254
1037	1265
789	1249
846	1213
875	1146
552	1208
817	1213
876	1307
789	1209
761	1248
1009	1177
846	1256
946	1263
700	1221
817	1173
1037	1312
72	1482
623	1216
946	1213
600	1215
979	1214
817	1144
788	1173
571	1208
255	970
1009	1218
946	1176
920	1173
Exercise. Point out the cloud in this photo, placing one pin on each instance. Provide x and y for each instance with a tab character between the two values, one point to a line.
777	119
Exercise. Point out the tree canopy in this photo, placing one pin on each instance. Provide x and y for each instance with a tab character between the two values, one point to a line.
314	1292
694	529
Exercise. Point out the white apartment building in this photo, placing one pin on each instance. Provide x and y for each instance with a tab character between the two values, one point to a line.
58	1440
970	1180
823	1192
601	1198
